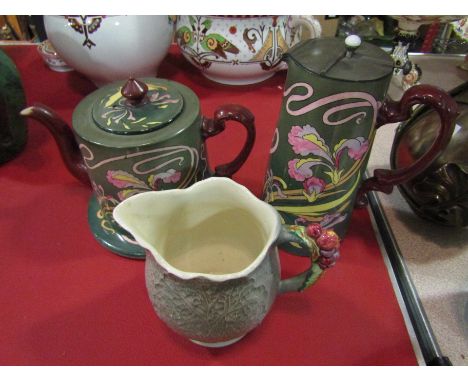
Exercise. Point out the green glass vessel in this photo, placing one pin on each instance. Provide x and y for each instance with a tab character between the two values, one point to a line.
13	131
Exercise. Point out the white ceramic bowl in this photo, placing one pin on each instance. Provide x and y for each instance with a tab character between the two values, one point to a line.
239	50
110	48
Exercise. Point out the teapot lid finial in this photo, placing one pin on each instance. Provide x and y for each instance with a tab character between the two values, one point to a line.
137	107
134	91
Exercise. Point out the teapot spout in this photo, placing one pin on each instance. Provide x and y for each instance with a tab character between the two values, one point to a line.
64	138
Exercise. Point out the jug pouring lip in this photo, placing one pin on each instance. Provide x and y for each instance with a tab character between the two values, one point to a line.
217	190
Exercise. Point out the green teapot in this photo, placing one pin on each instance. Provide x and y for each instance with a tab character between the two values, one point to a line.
138	136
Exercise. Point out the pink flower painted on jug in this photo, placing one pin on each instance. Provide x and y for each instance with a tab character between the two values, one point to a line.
357	151
301	169
357	147
313	186
314	151
306	140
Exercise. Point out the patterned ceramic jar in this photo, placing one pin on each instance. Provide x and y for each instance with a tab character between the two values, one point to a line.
239	50
110	48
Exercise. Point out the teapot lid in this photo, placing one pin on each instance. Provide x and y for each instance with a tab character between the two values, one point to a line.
136	113
347	59
137	107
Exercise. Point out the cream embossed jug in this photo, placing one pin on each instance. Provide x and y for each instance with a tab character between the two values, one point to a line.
212	266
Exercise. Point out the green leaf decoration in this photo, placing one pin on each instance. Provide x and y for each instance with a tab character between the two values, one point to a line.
312	197
216	43
184	36
207	23
124	194
334	175
311	277
338	145
140	120
312	161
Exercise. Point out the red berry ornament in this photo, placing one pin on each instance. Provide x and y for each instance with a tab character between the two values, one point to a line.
328	240
325	263
314	230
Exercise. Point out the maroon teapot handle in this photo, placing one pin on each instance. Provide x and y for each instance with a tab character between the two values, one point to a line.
212	127
391	112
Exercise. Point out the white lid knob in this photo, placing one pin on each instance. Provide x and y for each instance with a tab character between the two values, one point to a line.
353	41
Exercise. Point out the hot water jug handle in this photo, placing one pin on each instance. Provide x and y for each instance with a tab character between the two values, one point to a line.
322	246
212	127
391	112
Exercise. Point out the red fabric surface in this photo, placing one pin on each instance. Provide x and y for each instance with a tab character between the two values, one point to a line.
65	300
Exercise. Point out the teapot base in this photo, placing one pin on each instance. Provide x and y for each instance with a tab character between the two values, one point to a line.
217	344
110	235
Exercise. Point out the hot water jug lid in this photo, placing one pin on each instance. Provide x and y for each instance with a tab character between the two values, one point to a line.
347	59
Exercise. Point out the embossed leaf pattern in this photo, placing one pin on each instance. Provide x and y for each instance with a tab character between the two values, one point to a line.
209	311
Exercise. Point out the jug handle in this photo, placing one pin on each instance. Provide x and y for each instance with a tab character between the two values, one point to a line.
212	127
321	258
399	111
